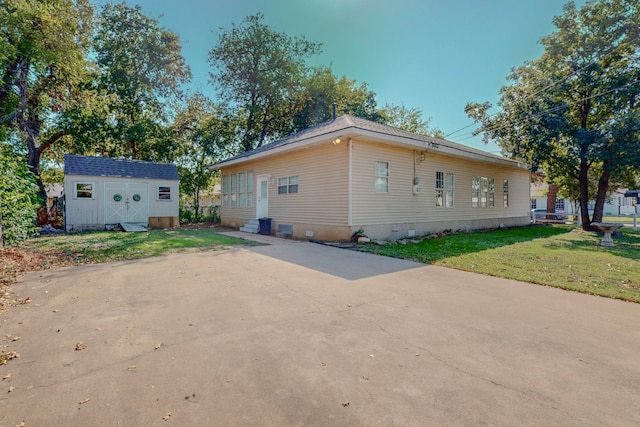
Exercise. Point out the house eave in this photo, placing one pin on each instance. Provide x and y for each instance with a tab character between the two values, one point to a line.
428	145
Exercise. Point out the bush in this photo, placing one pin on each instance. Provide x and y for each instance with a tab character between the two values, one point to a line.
18	198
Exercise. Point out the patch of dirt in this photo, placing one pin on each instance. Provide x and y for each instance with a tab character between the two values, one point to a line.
16	262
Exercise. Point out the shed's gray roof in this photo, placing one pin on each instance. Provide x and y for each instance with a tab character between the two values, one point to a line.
120	168
357	125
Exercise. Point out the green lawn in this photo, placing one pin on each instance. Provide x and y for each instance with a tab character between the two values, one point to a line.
558	256
106	246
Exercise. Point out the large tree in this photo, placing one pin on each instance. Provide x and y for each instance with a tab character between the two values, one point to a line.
574	111
140	72
204	133
260	73
43	46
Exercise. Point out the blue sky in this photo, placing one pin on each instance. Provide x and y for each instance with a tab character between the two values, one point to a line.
435	55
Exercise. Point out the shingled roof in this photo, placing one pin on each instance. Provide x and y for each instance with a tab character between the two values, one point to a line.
119	168
347	125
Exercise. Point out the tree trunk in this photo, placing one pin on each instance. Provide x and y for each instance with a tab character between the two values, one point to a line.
584	195
603	187
196	202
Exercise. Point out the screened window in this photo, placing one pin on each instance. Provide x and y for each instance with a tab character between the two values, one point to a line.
164	192
483	192
250	184
449	190
241	187
492	191
560	205
534	203
225	190
505	193
83	190
382	177
234	190
288	184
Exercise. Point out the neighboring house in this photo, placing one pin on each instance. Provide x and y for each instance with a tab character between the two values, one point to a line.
346	174
54	193
616	204
102	192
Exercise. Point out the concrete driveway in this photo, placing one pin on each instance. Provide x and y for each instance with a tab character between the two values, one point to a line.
304	334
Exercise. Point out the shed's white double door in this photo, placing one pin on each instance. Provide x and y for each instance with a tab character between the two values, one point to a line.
126	202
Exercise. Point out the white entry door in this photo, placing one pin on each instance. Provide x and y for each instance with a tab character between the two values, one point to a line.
262	204
126	202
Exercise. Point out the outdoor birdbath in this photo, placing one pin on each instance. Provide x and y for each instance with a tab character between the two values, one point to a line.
607	228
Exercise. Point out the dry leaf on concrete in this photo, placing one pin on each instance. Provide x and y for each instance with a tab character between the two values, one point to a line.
84	401
166	417
80	346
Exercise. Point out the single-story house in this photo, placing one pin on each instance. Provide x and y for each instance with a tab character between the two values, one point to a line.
350	174
102	192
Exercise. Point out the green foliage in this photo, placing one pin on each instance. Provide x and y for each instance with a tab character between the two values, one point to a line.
574	110
43	46
409	119
18	198
259	72
140	70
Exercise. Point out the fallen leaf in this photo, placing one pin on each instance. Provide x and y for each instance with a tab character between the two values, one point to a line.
345	403
22	424
166	417
131	367
15	338
11	389
84	401
6	377
80	346
55	311
158	346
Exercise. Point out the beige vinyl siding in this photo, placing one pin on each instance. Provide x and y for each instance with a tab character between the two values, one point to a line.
400	205
322	196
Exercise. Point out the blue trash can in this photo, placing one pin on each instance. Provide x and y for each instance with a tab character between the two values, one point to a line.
265	226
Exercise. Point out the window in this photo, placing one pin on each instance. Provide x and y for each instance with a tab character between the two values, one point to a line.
234	189
164	192
505	193
83	190
382	177
483	192
445	189
238	190
560	205
492	192
250	184
288	185
439	189
241	188
449	187
475	192
534	203
225	190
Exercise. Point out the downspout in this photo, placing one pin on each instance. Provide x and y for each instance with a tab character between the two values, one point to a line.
350	192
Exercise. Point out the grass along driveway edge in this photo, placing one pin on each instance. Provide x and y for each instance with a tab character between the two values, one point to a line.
558	256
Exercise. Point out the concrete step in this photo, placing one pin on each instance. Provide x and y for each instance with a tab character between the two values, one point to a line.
250	228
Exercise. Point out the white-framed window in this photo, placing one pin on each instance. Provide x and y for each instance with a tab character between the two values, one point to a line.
445	189
164	192
288	184
250	186
84	190
534	203
234	189
241	188
475	192
483	192
381	174
225	190
449	190
560	206
505	193
491	189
